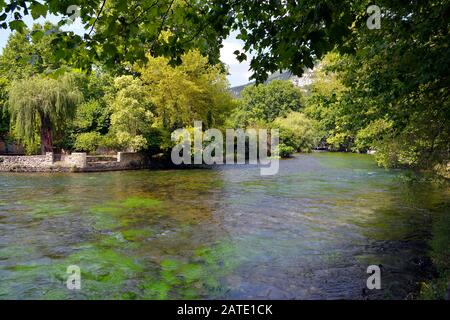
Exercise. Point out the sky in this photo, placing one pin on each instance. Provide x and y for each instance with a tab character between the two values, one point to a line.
239	72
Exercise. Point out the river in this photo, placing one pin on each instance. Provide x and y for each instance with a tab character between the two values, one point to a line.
309	232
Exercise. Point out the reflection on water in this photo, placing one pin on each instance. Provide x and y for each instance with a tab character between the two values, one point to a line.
308	233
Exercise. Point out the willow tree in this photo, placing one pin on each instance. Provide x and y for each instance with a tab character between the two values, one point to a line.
40	107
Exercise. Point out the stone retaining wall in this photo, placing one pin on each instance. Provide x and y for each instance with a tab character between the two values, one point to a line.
75	162
26	163
102	158
78	160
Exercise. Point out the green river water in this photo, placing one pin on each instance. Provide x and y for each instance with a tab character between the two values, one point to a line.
309	232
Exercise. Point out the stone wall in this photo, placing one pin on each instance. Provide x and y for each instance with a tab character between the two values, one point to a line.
26	163
102	158
75	162
76	159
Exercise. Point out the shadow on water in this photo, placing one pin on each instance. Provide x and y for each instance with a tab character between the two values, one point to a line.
309	232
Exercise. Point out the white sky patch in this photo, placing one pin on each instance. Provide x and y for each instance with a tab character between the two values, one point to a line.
239	72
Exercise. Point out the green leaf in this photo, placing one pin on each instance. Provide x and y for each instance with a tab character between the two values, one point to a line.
17	25
38	10
242	57
37	35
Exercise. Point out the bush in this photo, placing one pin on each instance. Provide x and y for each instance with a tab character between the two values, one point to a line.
297	132
285	151
88	142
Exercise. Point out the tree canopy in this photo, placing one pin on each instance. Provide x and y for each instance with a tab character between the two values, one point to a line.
131	116
157	99
122	30
391	94
42	106
192	91
281	34
297	133
27	54
265	103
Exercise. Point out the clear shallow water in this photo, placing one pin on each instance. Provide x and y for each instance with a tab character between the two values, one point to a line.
308	233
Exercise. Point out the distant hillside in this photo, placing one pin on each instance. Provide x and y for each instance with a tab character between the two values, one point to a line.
303	82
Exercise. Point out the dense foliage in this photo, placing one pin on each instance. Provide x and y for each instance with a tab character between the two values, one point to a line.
391	94
191	91
122	30
297	133
132	115
388	92
265	103
42	107
399	78
139	112
27	54
277	105
281	34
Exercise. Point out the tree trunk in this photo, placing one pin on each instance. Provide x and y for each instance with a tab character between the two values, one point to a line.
46	135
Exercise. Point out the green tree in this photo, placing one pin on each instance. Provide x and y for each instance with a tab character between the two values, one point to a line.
125	31
398	83
140	111
391	93
93	115
297	132
30	53
330	105
42	106
266	102
89	141
132	117
193	90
